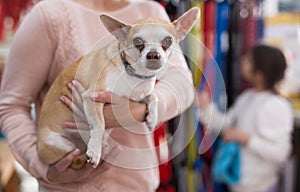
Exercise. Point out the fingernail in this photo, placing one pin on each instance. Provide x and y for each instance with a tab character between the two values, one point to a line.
62	98
65	124
70	85
76	152
74	82
94	95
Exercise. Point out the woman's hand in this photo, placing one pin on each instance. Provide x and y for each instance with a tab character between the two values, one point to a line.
130	112
203	100
60	172
118	111
234	134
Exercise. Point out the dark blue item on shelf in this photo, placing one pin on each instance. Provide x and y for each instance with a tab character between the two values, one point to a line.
1	136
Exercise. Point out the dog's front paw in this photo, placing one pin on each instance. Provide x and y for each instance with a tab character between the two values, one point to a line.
152	116
93	158
94	151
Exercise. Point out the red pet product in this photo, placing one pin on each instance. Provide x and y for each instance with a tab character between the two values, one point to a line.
165	165
12	9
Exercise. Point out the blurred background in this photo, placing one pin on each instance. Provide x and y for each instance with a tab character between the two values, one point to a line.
227	29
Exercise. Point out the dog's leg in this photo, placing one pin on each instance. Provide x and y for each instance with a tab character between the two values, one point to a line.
152	117
94	113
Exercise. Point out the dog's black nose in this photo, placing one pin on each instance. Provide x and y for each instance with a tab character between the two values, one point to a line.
153	55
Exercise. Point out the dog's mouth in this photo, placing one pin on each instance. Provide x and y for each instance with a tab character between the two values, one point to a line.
153	64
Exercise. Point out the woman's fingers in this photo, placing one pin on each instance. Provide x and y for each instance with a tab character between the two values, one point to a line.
70	125
77	111
76	97
77	89
76	106
76	103
64	163
107	97
76	125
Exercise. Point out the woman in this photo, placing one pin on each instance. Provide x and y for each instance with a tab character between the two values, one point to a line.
54	35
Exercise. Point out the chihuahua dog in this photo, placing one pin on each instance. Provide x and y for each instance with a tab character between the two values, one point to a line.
134	58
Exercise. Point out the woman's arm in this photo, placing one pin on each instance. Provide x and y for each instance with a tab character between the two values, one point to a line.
132	112
24	75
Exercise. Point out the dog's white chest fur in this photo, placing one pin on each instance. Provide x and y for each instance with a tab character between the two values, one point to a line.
125	85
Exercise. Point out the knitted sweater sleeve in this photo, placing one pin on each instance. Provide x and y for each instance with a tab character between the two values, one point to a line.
25	74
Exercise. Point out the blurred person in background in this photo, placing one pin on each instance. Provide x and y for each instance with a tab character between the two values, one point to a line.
260	120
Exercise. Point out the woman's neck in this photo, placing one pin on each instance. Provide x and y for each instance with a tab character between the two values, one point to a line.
103	5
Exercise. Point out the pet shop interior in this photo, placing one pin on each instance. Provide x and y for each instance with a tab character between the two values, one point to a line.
225	31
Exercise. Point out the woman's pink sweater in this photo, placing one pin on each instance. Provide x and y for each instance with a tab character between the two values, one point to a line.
52	36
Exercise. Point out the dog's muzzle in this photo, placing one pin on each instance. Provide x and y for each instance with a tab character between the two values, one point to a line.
153	64
153	60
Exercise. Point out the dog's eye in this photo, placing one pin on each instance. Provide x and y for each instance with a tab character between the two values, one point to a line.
139	43
166	42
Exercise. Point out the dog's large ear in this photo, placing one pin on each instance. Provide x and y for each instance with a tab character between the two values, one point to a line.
115	27
185	22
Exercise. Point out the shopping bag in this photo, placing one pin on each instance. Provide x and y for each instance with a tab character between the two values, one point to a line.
226	164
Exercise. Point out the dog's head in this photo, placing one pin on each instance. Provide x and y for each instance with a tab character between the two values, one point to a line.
148	43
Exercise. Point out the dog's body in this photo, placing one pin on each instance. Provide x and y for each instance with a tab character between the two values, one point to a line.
144	54
53	136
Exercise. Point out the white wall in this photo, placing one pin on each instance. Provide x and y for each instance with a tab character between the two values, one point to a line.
270	7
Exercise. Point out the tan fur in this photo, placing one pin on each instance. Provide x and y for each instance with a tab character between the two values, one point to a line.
153	21
54	142
54	113
2	61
